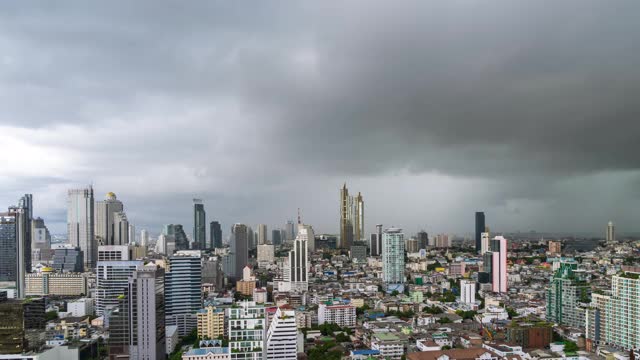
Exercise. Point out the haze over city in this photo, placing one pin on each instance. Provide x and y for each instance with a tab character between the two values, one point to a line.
525	110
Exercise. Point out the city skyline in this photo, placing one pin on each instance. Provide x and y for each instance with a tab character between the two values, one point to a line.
437	131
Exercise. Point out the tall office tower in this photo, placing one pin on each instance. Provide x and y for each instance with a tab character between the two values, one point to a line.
423	239
104	219
175	233
393	259
282	336
484	242
373	245
480	228
290	231
305	232
120	229
611	232
112	277
379	231
262	234
80	224
346	221
40	241
144	238
212	272
136	326
567	290
276	238
246	329
239	249
67	258
183	290
215	233
147	307
132	234
161	244
467	291
15	255
298	268
358	252
358	215
499	264
199	225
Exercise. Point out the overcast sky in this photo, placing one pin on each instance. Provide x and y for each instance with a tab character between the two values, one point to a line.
528	110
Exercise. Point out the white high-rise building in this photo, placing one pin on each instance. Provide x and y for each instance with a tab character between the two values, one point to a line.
484	241
265	255
262	234
161	244
120	229
305	232
144	238
112	278
499	264
246	329
611	232
146	288
298	269
80	224
104	218
282	336
467	291
393	259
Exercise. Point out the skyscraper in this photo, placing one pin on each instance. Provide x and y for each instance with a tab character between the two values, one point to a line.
137	323
373	245
144	238
379	231
132	234
305	232
484	242
80	224
40	241
290	231
480	225
262	234
499	264
199	225
393	259
104	219
358	215
215	232
346	220
611	232
568	288
423	239
183	290
298	267
276	237
239	248
175	234
281	337
112	278
15	244
120	229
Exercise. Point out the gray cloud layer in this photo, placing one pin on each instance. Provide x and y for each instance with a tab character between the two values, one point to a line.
526	109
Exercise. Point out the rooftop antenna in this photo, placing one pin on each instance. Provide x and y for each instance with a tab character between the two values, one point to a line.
299	221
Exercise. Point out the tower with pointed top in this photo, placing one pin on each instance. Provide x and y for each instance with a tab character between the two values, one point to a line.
346	221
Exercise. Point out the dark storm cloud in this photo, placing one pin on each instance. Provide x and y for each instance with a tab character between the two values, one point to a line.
162	101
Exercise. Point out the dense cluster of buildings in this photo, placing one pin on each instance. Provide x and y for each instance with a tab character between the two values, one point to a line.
109	292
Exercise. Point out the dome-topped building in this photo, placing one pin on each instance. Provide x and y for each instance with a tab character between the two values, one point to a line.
111	196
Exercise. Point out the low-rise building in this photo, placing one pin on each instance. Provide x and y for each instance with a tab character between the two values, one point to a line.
389	345
343	315
55	284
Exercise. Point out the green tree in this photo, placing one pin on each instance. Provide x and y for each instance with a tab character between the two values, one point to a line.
51	315
570	347
342	337
395	293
